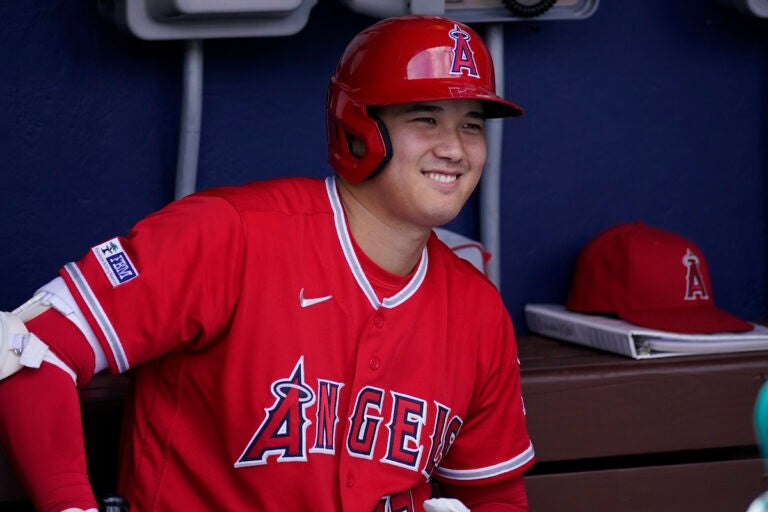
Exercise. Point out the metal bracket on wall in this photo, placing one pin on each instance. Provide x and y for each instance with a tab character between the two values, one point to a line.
207	19
479	11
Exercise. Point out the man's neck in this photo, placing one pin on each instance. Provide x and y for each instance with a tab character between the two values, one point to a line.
395	248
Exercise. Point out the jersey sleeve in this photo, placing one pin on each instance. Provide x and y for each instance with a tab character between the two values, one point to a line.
493	442
505	495
171	282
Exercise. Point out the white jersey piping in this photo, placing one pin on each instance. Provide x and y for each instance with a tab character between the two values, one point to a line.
354	264
490	471
101	317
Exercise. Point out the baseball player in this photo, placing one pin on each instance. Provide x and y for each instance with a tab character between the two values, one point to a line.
296	344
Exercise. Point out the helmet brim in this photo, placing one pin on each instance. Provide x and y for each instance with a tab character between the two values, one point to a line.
494	106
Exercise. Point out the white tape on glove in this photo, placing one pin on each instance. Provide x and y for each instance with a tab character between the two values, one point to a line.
18	346
12	330
444	505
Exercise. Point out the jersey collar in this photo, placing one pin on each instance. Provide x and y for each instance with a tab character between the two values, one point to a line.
354	264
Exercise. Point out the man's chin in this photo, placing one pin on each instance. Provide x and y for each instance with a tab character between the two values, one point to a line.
437	219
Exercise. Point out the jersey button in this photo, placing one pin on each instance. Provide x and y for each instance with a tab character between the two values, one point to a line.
374	362
378	321
350	480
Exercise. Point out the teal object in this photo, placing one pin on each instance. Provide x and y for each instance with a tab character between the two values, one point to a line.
760	420
760	504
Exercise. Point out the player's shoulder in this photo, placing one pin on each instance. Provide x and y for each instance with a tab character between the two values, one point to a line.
458	264
288	195
465	284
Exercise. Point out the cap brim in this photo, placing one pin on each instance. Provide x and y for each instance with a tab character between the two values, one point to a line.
702	320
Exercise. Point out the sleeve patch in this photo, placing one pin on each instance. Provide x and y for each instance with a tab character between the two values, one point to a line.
115	262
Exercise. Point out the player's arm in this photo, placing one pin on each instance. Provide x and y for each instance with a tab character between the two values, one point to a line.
464	474
46	356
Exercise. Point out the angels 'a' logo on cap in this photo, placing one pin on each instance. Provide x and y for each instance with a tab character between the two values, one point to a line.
463	56
695	288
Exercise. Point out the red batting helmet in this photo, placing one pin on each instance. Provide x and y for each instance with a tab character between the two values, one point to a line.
403	60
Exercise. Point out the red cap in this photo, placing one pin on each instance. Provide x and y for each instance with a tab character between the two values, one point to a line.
649	277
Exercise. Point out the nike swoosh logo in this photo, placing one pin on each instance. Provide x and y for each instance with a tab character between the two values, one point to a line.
305	303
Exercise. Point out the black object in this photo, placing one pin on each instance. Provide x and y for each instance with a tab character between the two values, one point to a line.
528	8
113	503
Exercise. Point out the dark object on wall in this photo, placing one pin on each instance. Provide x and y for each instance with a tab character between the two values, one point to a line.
756	8
529	8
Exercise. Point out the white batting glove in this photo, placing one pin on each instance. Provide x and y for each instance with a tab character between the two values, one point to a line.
444	505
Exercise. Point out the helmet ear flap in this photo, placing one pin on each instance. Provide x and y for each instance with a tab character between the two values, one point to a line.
387	155
358	143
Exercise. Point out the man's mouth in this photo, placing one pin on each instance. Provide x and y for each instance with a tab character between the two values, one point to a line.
441	178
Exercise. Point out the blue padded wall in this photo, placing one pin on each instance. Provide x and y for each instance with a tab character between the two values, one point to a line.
652	111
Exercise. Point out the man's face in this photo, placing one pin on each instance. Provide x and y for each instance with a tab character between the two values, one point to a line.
438	153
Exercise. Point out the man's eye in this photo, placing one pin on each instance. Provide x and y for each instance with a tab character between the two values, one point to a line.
475	127
428	120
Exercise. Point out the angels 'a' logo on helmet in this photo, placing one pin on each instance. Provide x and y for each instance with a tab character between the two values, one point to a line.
463	56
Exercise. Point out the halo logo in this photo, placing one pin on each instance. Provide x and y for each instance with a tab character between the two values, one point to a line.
463	56
694	281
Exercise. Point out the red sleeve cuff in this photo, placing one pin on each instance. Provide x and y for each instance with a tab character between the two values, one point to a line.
503	496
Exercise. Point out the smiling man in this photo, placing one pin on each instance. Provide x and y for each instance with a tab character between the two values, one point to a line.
438	162
297	344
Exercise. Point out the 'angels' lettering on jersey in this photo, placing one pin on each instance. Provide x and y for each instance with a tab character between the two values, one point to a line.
282	435
402	502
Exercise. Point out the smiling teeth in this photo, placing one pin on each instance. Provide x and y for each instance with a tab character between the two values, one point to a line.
442	178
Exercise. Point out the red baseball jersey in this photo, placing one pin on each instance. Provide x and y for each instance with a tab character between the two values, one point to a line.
277	368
